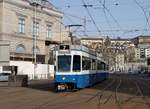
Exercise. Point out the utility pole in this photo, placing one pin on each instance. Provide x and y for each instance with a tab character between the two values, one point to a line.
35	4
70	33
84	24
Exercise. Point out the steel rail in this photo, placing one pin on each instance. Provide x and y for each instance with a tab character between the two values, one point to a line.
116	94
101	92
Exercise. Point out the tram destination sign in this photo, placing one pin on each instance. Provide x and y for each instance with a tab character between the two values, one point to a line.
64	48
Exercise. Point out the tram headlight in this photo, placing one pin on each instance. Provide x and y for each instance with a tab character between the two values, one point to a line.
63	78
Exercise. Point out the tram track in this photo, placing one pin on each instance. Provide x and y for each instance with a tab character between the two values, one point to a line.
61	100
113	86
138	95
134	93
146	83
122	92
141	86
63	95
116	95
101	91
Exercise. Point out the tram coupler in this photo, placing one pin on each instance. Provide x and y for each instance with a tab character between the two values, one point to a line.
62	87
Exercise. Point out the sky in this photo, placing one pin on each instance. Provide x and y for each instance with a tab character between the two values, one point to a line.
113	18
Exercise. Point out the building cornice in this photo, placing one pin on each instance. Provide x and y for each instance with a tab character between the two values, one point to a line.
21	36
26	5
22	15
92	38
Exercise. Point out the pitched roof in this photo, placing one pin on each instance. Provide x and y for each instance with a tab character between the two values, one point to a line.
142	36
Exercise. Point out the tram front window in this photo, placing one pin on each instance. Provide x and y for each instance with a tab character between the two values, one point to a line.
64	63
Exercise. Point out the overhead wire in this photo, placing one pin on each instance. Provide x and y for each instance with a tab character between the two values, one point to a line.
106	18
108	12
143	10
115	20
125	31
77	17
74	31
90	15
105	12
69	19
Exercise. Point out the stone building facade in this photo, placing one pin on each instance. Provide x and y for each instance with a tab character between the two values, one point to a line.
18	20
137	54
141	40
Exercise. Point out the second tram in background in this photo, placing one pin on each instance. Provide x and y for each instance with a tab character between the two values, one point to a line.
78	67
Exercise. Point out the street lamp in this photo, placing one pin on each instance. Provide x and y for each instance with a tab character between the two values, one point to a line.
35	4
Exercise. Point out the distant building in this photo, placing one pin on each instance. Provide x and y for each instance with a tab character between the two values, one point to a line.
94	43
135	67
141	40
119	64
137	54
17	23
143	44
90	40
113	42
120	41
143	50
147	52
121	45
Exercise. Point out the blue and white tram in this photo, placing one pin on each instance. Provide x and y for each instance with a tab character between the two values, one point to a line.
78	67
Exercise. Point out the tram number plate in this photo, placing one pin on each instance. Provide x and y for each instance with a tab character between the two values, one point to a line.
64	47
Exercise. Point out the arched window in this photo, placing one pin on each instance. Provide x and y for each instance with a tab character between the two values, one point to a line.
36	50
20	48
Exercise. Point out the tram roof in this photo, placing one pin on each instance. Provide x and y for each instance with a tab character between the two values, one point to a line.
77	48
68	48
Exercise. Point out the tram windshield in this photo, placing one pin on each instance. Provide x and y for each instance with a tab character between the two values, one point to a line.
64	63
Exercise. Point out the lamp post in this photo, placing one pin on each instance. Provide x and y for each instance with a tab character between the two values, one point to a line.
35	4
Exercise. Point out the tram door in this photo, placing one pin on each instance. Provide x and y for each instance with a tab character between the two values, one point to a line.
76	64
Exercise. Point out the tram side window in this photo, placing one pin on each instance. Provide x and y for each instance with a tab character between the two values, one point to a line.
100	65
86	63
107	67
103	66
93	64
76	63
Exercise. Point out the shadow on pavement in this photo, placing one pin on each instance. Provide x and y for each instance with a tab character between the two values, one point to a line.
43	85
127	86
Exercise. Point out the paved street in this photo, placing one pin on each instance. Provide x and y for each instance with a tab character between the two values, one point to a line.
118	92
